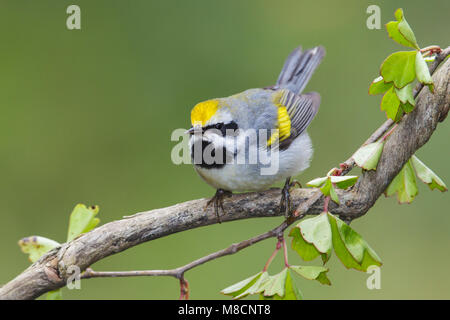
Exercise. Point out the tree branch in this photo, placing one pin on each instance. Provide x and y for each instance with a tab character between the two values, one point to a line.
415	129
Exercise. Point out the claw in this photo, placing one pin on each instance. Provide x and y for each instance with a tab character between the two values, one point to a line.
217	202
285	202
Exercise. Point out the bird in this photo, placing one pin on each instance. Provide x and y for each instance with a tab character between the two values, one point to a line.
225	133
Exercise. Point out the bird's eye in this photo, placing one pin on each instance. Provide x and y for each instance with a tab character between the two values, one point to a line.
231	126
220	126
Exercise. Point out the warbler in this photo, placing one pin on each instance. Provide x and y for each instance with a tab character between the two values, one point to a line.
225	133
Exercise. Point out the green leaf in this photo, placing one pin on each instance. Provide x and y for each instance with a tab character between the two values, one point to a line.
305	250
343	182
255	286
54	295
290	289
394	34
312	273
350	247
406	31
326	187
318	182
36	246
334	195
401	32
399	67
379	86
367	157
405	95
312	237
82	220
391	105
404	184
407	107
398	14
422	72
317	231
239	288
275	285
427	175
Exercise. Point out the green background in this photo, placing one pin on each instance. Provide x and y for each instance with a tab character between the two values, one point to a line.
86	117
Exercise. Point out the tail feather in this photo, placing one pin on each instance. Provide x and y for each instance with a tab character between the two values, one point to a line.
299	67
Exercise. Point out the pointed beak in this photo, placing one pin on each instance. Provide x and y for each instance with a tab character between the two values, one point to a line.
193	130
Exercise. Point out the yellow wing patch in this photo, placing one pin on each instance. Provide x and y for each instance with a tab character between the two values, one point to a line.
203	111
283	126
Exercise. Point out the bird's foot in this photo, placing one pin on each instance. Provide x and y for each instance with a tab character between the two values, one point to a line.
285	202
217	201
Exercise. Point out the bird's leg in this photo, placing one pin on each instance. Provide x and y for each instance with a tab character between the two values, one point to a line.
285	202
217	201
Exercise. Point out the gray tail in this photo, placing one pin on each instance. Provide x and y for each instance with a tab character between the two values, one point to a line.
299	67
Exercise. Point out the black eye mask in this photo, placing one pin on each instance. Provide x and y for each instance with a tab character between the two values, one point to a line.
222	127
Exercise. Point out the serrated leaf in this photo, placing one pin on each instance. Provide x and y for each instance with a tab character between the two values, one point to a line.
343	182
36	246
367	157
404	184
405	94
239	288
390	103
399	67
379	86
82	220
422	72
318	182
351	249
54	295
427	175
312	273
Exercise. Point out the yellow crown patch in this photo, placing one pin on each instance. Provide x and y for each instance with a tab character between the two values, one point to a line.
203	111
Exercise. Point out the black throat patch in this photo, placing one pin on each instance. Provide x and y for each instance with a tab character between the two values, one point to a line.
208	159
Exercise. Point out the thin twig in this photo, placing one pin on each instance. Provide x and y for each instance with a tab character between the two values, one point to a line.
389	132
184	289
272	256
326	203
285	253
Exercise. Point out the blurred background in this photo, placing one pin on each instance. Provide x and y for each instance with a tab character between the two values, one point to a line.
86	117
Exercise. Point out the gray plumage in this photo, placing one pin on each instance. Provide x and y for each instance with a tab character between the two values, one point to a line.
298	68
